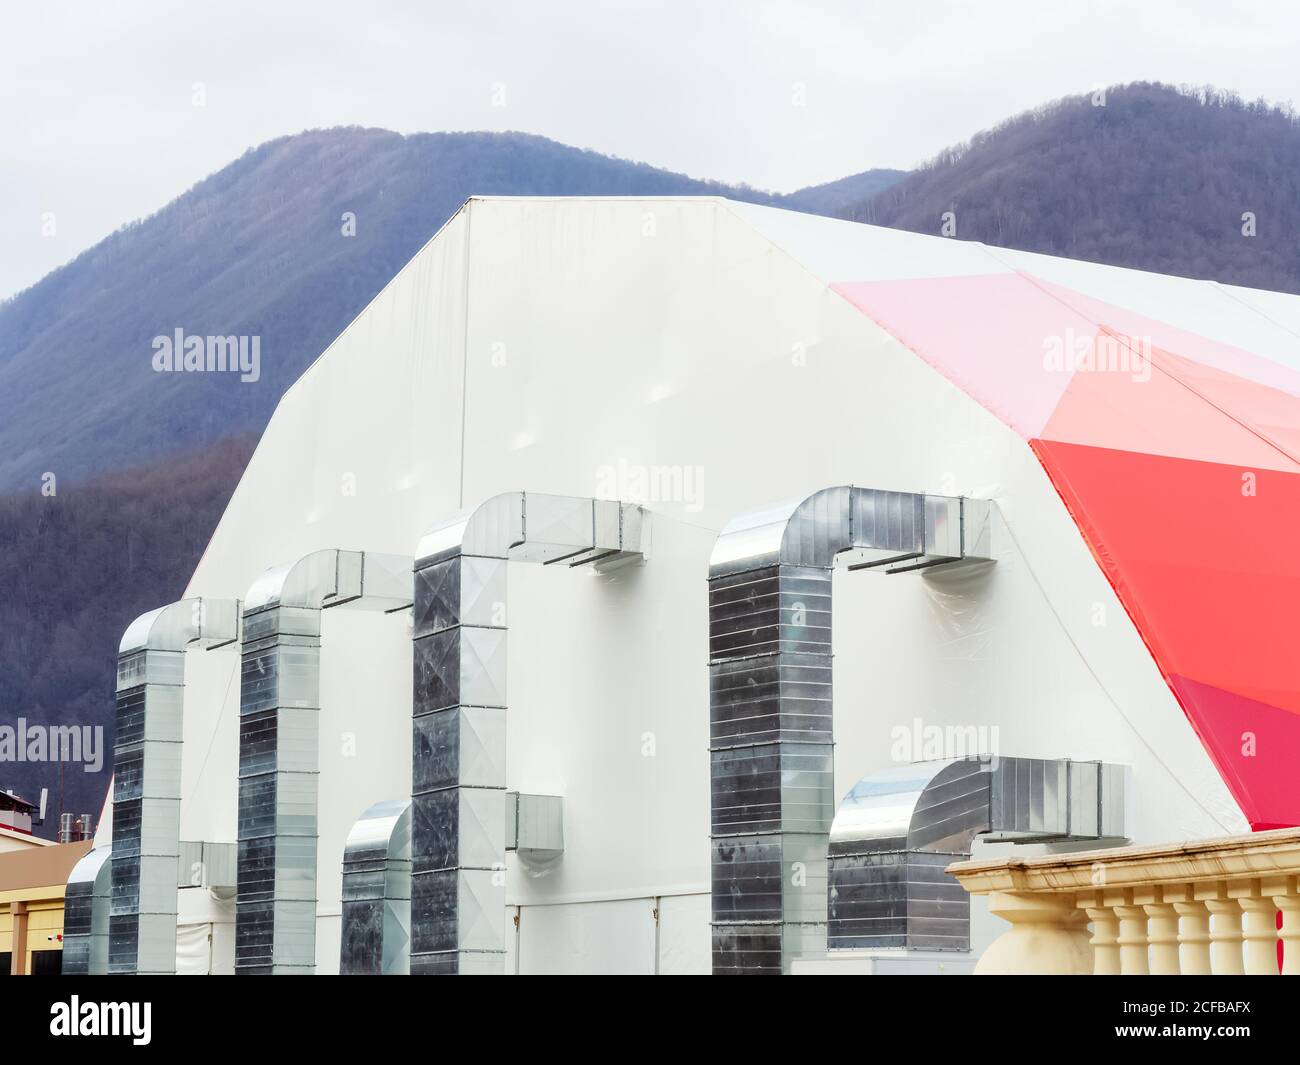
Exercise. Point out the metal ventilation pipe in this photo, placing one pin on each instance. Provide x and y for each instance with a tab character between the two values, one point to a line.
147	776
772	770
458	748
85	915
897	831
376	918
206	864
279	756
535	828
73	828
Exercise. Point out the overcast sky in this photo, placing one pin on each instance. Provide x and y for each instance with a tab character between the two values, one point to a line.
98	124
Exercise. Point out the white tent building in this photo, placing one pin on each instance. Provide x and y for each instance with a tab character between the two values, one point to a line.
700	362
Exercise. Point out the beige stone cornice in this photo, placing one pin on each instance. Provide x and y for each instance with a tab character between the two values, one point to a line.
1275	853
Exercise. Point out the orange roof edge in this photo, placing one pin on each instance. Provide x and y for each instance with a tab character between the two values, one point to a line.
40	866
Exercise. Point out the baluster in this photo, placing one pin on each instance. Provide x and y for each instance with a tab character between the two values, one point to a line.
1286	897
1105	934
1259	927
1132	933
1225	929
1194	933
1162	930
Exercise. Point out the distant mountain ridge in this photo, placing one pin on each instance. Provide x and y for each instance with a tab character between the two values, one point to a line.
1144	175
1157	178
830	198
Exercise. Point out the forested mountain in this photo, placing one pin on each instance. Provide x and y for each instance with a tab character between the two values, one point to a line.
1143	175
834	196
76	568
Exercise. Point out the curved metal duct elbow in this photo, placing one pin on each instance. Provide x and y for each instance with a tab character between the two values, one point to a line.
897	830
772	769
86	903
147	776
279	756
377	892
458	746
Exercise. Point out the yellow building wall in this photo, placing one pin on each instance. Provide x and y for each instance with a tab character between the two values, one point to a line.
44	920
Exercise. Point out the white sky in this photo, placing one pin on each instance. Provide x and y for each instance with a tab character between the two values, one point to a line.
98	128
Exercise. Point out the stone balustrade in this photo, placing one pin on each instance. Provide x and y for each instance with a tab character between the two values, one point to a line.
1207	907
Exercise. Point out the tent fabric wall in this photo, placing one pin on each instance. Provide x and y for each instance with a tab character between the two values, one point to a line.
193	950
578	346
1176	455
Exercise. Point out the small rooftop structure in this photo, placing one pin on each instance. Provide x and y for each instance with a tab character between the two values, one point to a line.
16	813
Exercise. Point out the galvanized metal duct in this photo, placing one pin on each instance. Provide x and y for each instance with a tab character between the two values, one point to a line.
772	769
535	828
279	757
897	830
147	776
86	903
207	865
376	920
458	771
